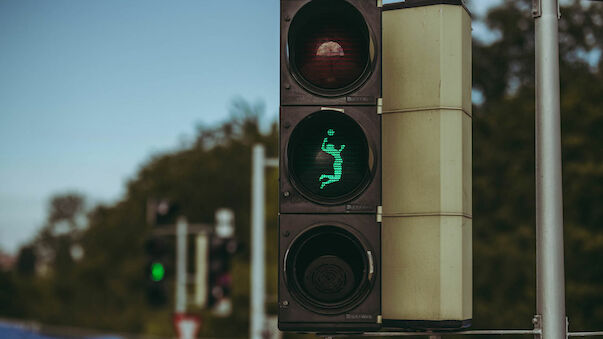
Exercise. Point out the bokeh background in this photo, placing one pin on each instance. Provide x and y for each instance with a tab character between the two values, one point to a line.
105	104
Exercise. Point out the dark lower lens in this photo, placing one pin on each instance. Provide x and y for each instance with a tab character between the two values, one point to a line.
328	268
329	278
329	45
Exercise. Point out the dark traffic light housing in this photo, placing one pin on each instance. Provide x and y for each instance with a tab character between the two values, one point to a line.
330	166
329	275
220	278
162	212
158	269
313	33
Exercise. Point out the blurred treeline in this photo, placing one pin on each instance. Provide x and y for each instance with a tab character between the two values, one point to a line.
105	289
94	257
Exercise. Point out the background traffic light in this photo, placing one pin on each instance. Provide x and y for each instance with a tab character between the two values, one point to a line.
220	277
161	212
158	268
330	163
159	251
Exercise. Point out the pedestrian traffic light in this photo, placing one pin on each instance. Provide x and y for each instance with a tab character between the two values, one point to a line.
157	269
330	166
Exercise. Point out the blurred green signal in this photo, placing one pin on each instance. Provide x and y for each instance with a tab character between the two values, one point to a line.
157	271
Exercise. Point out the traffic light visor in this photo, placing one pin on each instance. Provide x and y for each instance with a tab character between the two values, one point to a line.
329	158
330	48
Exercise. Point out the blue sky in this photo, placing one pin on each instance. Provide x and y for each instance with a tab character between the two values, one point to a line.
89	90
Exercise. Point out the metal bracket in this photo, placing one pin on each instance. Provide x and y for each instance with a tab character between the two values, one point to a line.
371	272
191	229
379	105
537	321
536	8
379	213
271	162
332	109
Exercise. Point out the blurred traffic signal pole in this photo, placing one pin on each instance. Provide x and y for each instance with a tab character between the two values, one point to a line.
181	263
257	328
202	243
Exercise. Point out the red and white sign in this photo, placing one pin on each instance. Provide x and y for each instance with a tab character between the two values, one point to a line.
187	325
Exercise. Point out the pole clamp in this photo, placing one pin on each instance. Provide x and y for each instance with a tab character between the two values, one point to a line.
537	9
537	322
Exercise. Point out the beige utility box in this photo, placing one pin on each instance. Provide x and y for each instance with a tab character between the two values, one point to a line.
426	131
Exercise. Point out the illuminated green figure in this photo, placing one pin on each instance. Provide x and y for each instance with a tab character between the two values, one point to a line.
337	164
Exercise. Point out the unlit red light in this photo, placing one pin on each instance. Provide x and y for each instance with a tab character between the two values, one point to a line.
330	46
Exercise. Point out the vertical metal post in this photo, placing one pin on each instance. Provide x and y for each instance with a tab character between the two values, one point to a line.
257	244
549	203
202	263
181	251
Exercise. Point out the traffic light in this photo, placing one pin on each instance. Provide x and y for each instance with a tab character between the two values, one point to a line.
220	278
157	269
330	166
161	212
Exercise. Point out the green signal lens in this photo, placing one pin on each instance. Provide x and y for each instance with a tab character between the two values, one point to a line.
329	158
157	271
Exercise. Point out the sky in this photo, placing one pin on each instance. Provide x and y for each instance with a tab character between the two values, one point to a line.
90	90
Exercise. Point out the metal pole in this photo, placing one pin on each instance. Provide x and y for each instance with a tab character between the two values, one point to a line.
257	244
181	251
549	204
201	258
